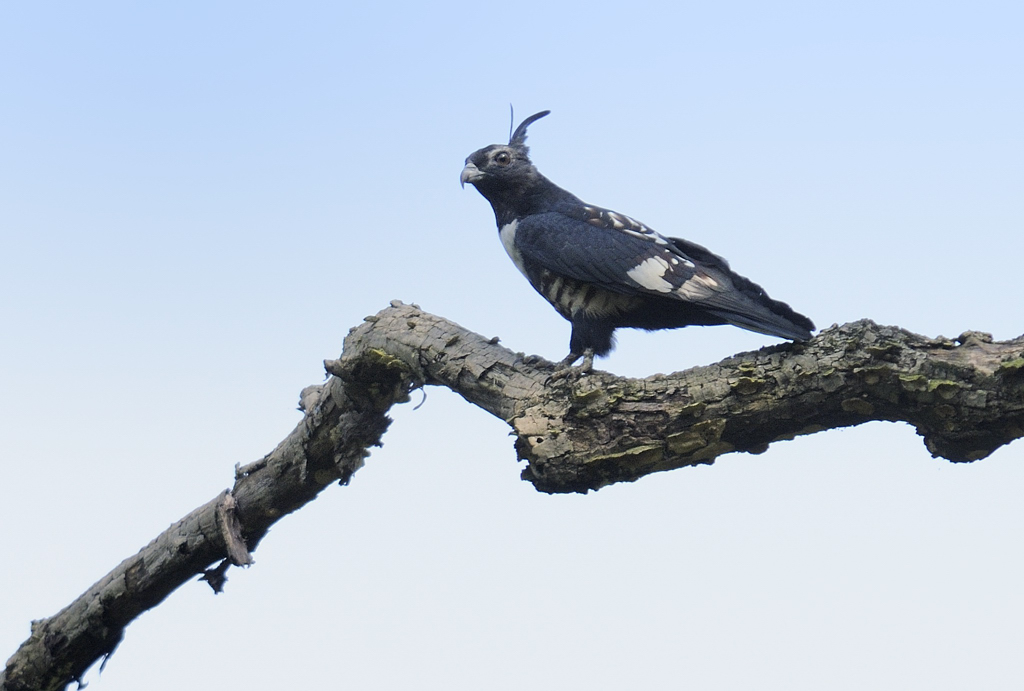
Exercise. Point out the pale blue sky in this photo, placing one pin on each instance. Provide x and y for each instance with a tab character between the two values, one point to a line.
198	201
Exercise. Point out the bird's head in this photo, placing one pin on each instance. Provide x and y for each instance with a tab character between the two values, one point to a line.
501	169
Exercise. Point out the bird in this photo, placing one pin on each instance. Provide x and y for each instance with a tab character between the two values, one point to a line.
602	270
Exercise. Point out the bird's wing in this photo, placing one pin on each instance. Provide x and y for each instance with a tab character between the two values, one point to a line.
619	254
622	255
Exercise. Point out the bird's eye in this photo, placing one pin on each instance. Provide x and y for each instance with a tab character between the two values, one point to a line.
502	158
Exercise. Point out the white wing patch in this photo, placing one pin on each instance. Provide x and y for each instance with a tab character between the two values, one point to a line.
650	274
507	233
697	287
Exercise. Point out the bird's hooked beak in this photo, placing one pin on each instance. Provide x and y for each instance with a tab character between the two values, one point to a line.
470	174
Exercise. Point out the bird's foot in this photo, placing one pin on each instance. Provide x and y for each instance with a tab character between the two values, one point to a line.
565	369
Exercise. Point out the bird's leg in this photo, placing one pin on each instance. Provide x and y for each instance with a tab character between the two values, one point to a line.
568	361
588	361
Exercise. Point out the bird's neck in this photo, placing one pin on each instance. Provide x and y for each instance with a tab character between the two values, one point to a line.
516	202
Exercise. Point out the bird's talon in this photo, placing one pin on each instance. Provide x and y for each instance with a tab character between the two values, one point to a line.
569	374
566	370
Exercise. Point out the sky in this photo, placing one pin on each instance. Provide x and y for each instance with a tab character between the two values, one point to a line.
198	200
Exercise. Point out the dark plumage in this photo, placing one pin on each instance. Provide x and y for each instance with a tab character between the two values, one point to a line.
602	270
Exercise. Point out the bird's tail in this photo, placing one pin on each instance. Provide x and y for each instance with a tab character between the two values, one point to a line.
749	306
755	311
784	323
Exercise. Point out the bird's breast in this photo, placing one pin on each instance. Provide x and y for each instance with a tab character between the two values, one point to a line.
507	233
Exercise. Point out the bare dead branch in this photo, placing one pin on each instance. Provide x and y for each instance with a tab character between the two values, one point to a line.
965	397
329	444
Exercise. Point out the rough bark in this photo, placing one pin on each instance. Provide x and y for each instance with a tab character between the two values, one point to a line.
965	397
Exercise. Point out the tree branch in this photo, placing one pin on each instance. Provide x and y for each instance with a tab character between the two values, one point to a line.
965	397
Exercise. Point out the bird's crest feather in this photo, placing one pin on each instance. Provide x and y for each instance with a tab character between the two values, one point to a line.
518	138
